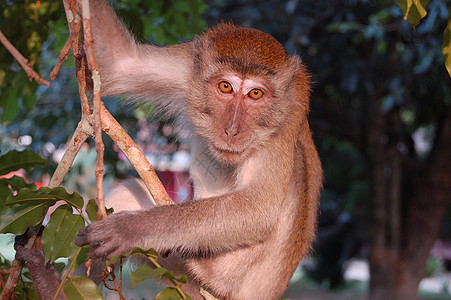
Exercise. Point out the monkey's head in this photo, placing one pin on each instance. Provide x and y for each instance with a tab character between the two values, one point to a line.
250	90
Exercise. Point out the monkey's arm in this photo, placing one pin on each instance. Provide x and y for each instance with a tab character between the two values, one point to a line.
200	226
136	70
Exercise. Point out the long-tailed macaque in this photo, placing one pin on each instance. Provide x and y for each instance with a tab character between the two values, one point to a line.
255	169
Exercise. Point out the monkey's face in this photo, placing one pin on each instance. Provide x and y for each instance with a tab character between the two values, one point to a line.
238	119
246	89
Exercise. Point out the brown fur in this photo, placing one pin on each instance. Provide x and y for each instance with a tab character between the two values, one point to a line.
247	49
255	169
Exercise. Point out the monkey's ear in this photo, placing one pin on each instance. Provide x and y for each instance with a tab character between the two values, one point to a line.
302	85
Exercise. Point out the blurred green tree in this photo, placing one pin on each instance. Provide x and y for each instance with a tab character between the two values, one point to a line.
49	122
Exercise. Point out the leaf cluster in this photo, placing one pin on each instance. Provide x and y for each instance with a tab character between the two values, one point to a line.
23	206
414	11
157	273
163	22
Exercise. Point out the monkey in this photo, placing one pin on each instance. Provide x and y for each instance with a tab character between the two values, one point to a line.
244	103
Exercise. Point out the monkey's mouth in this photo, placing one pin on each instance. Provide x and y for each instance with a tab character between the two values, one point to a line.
228	151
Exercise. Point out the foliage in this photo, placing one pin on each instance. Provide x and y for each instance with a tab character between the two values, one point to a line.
79	287
434	266
166	22
145	272
51	120
28	24
26	207
414	11
23	206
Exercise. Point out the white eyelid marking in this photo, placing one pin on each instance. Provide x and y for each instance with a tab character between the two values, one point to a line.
249	85
234	81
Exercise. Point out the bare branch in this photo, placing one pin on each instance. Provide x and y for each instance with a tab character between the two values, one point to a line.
83	131
136	157
100	147
22	61
74	31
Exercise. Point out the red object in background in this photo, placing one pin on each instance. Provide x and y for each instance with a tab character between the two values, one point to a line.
21	173
177	184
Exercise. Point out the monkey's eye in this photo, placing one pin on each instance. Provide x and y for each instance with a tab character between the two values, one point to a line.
225	87
256	94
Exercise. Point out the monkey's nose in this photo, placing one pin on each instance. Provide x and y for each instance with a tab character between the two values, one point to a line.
232	131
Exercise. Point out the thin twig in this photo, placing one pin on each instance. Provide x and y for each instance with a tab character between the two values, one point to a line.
120	273
65	51
13	279
83	131
100	147
109	271
22	61
67	273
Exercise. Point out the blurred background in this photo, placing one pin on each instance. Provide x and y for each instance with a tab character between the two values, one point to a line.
380	116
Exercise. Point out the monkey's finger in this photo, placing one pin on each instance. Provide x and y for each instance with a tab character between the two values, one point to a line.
90	234
106	250
85	237
81	240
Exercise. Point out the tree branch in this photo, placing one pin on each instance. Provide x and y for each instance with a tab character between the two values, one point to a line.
13	279
136	157
22	61
83	131
100	147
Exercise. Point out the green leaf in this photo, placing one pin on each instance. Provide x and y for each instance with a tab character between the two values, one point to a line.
29	98
48	195
145	272
168	294
10	104
59	233
182	279
18	218
151	252
17	183
82	288
91	209
28	207
15	160
446	50
5	192
414	10
82	257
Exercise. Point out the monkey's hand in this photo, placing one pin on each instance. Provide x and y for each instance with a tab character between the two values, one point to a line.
111	237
